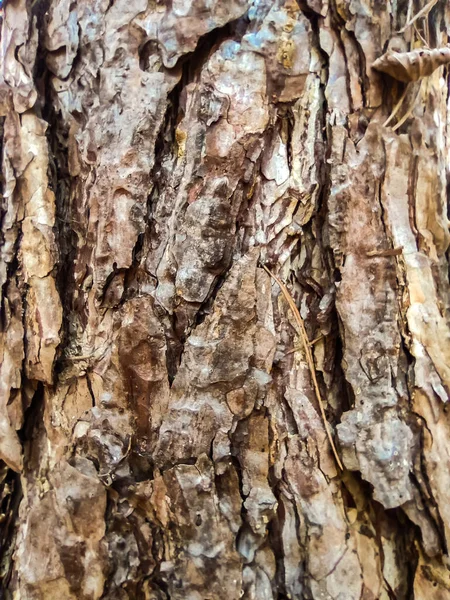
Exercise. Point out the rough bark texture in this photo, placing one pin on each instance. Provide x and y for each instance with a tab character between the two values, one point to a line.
159	438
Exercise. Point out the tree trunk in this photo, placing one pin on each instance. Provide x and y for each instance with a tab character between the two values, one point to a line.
161	428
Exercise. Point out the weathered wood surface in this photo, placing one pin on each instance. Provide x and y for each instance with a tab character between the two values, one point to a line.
159	438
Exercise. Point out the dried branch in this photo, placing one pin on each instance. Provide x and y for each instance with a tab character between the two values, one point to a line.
422	13
309	359
408	112
388	252
420	36
396	107
298	348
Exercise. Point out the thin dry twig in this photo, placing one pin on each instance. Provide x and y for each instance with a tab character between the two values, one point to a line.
420	36
409	111
389	252
409	12
309	359
396	107
422	13
298	348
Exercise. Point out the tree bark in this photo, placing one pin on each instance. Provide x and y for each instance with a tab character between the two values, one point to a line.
161	435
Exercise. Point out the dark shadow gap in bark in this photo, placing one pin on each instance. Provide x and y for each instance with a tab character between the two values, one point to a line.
193	62
274	532
10	497
157	578
11	275
191	66
2	188
11	488
90	389
431	505
58	172
61	183
406	549
339	24
33	419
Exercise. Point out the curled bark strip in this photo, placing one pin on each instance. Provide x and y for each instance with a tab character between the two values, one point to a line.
414	65
309	360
